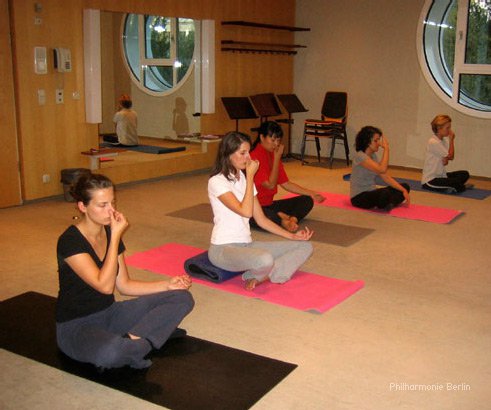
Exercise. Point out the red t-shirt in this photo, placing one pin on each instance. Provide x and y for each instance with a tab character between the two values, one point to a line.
265	158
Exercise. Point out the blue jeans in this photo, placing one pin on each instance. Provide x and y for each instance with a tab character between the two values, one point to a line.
99	338
277	260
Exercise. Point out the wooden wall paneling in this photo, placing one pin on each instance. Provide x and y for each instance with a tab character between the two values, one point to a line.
9	165
237	75
52	136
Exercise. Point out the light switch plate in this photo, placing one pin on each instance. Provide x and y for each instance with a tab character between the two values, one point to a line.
41	97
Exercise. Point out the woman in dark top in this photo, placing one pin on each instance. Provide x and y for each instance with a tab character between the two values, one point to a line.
91	327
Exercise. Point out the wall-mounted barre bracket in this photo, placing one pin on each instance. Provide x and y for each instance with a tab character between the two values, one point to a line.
261	25
250	43
258	51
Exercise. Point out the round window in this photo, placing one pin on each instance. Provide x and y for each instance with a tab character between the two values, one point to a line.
158	51
454	47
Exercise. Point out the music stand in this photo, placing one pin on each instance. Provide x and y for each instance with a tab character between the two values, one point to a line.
292	104
238	108
266	106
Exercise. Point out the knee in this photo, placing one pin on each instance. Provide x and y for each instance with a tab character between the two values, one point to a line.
182	298
186	299
263	261
306	247
110	355
121	352
307	202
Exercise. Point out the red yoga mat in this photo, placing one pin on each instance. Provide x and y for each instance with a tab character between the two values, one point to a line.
305	291
415	212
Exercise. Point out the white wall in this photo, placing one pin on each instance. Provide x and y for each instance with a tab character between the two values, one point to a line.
368	48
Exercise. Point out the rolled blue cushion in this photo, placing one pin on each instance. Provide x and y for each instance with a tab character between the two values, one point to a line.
200	267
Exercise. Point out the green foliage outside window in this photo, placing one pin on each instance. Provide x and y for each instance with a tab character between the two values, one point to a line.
168	45
478	49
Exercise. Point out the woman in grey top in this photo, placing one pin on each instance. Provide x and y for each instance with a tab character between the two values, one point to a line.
366	167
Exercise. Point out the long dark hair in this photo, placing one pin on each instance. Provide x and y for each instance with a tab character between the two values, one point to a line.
230	143
364	137
81	190
268	128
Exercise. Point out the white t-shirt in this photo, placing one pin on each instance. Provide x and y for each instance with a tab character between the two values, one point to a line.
436	150
126	120
229	226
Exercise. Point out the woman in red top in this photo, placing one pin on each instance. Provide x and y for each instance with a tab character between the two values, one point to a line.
268	149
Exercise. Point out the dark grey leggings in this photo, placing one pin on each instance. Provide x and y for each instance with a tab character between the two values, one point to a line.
99	338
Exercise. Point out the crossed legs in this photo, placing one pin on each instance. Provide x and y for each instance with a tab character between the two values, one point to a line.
260	261
100	338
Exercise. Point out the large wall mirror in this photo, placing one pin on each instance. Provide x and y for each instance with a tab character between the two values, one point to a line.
156	60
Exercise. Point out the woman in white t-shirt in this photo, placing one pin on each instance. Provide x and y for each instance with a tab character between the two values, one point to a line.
125	121
233	199
439	151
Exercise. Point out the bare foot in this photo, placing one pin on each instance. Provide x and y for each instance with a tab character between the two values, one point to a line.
250	284
290	223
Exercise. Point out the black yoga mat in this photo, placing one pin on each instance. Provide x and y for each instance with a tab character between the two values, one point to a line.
187	373
151	149
326	232
147	149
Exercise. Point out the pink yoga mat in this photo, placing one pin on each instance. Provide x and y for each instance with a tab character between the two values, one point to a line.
305	291
416	212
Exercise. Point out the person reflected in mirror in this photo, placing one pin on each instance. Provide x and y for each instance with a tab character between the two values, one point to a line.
92	327
126	122
268	150
180	122
440	150
233	199
365	169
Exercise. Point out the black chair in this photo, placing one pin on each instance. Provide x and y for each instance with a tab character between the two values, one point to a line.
332	125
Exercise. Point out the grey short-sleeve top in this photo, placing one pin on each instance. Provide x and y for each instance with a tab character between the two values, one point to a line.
362	179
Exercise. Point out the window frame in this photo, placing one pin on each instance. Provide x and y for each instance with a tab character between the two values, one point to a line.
145	62
460	67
